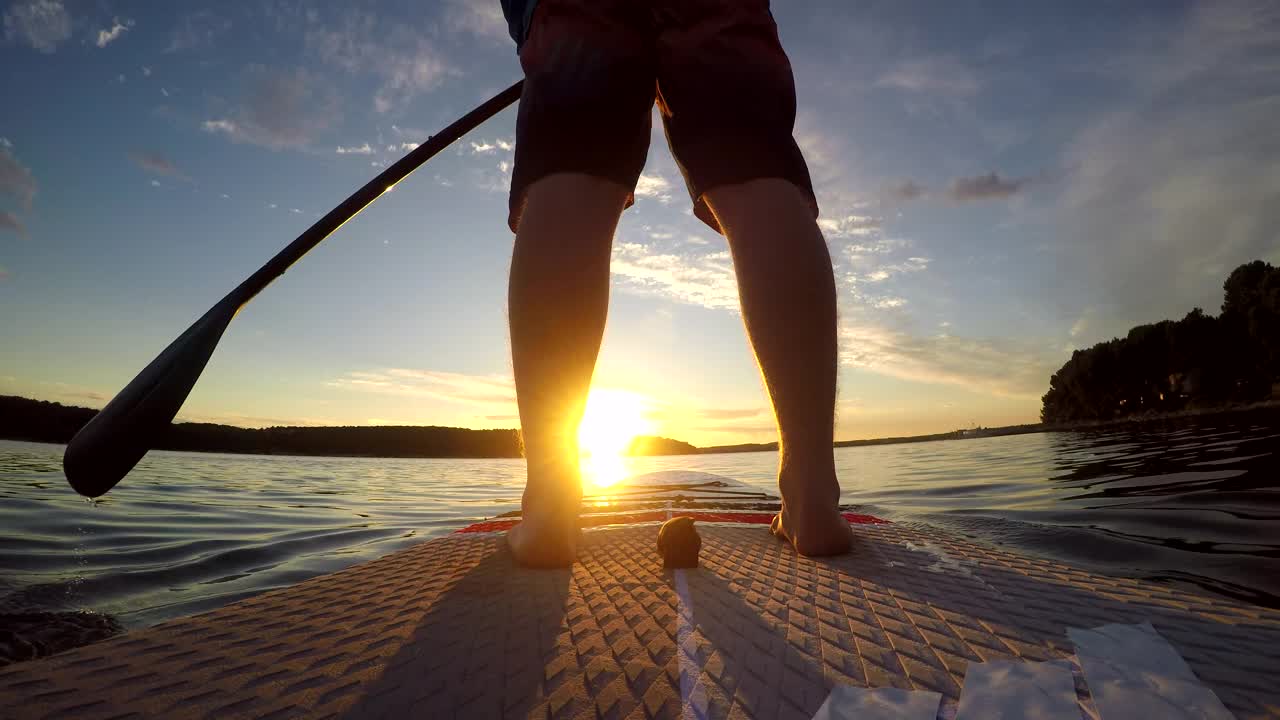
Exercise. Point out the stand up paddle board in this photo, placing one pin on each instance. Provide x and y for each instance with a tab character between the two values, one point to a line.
915	623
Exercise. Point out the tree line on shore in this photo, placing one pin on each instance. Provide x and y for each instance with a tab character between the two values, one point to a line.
1199	361
43	421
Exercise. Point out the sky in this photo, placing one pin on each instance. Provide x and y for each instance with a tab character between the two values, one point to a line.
1000	183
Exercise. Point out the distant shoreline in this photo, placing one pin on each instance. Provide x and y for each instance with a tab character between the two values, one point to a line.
23	419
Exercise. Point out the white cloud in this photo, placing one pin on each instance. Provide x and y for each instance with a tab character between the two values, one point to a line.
4	142
654	186
155	183
42	24
485	147
885	271
223	126
146	71
849	226
164	92
402	147
364	149
705	280
107	36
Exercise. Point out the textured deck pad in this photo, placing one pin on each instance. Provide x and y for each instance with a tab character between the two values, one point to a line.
450	629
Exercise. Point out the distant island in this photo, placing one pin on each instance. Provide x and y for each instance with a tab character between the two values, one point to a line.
1196	363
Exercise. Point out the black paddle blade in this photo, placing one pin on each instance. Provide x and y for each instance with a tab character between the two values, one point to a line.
108	447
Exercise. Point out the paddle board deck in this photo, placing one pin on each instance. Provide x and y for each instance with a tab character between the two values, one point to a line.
451	628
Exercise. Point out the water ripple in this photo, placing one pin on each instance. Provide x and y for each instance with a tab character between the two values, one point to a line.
1196	503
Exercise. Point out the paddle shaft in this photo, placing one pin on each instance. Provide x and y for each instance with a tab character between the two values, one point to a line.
118	436
385	180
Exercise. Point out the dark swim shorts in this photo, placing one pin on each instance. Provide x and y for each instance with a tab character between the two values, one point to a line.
593	69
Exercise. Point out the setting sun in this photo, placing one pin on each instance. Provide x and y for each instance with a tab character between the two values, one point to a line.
613	418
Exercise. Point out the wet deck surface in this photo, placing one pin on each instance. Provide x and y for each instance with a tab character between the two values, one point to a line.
450	628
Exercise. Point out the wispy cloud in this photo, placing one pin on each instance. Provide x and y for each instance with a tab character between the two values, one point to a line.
480	18
985	187
883	272
1080	326
156	163
106	36
403	58
15	179
1000	367
834	166
906	191
41	24
458	388
730	413
10	221
252	421
281	109
68	392
1177	184
364	149
943	75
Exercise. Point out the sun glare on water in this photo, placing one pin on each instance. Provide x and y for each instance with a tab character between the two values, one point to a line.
613	418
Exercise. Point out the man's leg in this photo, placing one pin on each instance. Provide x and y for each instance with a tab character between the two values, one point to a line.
787	289
557	302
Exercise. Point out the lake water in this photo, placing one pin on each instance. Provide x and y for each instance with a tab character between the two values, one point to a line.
1194	503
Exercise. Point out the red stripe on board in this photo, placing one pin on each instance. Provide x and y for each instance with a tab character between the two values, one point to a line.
752	518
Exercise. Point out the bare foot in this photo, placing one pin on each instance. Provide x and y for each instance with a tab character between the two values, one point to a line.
545	539
816	532
547	534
